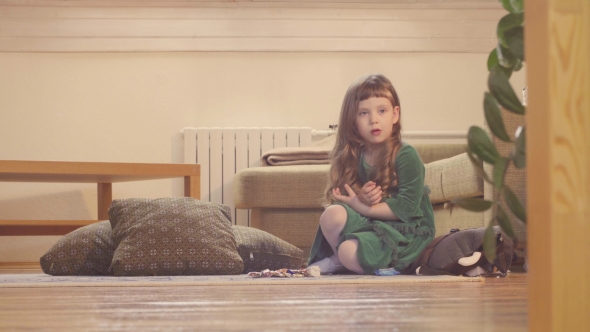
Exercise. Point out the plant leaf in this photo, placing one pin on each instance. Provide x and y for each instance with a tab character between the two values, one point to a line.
499	171
478	164
494	117
519	155
514	39
506	23
489	243
505	60
513	6
480	144
517	65
472	204
504	222
514	204
502	91
492	59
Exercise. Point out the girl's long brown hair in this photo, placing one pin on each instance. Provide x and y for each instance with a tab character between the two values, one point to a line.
349	143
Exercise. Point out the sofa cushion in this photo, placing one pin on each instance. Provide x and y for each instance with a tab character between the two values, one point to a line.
452	177
460	179
433	179
86	251
261	250
300	186
172	236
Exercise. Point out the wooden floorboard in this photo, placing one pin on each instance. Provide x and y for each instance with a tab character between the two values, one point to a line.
495	305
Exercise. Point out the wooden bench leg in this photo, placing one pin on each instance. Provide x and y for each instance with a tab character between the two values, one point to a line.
192	186
105	198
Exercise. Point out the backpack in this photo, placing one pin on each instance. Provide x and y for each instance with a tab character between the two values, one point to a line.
461	253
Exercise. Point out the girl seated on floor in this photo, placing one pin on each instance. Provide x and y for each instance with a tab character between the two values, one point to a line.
379	212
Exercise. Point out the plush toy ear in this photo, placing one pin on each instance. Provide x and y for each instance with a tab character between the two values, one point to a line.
471	260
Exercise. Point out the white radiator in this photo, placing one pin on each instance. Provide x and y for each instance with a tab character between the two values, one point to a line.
222	152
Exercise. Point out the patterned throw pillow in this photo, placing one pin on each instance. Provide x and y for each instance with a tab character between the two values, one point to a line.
86	251
172	236
261	250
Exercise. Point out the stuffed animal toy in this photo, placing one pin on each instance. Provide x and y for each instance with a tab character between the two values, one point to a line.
461	253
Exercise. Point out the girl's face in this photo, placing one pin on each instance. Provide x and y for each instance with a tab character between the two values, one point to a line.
375	119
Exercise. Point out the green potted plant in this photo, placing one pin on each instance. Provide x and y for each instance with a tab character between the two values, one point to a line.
506	58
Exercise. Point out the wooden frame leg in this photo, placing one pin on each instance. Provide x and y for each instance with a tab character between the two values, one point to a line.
192	186
105	198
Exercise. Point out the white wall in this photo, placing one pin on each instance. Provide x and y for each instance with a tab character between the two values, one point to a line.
128	107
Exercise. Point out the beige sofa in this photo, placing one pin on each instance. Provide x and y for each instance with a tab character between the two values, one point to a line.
285	200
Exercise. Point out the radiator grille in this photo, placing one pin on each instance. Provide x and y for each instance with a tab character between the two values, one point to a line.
222	152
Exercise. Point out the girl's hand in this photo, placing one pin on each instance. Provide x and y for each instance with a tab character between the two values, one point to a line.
351	200
370	193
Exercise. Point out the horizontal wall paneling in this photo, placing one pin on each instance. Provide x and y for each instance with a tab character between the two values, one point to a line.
329	26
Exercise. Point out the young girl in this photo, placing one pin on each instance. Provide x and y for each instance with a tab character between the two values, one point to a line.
381	215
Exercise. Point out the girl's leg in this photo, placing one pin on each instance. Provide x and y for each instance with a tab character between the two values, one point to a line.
332	222
347	255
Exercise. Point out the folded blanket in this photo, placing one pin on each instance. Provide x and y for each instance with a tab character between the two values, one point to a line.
317	153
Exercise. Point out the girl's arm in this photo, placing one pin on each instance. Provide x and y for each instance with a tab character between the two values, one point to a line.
378	211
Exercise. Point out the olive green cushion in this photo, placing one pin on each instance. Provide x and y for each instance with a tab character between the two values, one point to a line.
172	236
86	251
261	250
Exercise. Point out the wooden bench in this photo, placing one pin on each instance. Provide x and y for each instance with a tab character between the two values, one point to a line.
103	174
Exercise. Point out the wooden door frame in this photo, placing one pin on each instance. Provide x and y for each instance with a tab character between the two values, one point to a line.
557	48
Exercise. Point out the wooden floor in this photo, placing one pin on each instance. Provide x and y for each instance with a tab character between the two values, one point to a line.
495	305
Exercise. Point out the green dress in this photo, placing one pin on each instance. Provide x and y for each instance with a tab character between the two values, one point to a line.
389	243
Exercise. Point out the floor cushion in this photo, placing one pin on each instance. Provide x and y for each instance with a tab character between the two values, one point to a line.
261	250
86	251
172	236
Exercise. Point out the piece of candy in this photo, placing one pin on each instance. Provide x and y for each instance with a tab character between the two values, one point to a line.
387	272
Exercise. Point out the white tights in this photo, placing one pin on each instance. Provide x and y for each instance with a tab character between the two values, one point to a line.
332	222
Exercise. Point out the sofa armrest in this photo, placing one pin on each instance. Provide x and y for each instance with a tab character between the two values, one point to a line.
299	186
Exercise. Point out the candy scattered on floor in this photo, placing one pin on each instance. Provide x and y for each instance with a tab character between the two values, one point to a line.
313	271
